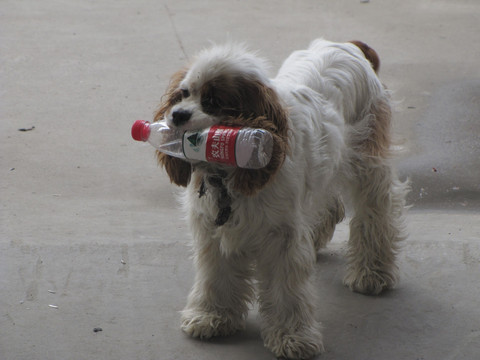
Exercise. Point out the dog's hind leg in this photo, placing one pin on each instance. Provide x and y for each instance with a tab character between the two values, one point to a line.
375	229
334	214
378	198
218	302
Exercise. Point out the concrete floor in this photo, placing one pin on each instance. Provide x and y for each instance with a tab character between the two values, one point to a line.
91	235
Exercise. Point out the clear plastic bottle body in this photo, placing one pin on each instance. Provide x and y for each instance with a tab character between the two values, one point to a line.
166	140
253	148
243	147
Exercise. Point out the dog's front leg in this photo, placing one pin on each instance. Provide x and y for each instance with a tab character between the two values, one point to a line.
287	297
218	302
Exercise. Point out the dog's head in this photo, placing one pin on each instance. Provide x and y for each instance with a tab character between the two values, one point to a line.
225	85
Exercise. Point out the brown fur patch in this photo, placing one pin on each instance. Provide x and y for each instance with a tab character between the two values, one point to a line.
178	170
246	102
369	53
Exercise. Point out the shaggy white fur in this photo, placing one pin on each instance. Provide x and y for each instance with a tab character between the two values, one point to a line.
331	116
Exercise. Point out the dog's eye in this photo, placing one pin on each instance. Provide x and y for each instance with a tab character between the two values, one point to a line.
185	93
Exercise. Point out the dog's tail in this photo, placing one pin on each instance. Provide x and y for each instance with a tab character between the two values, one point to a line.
369	53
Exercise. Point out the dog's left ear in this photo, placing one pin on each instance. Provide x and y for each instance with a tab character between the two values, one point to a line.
272	116
178	170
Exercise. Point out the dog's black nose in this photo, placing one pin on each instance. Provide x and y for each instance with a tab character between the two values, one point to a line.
180	117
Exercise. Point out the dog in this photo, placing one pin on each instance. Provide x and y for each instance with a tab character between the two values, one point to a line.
256	233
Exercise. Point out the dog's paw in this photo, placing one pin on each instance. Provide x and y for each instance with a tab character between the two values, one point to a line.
204	325
369	282
299	345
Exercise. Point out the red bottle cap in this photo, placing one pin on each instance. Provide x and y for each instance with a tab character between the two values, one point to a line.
141	130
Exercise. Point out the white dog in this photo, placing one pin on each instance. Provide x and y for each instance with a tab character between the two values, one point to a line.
261	229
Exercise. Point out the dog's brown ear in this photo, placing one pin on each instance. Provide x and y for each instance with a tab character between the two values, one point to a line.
178	170
270	115
369	53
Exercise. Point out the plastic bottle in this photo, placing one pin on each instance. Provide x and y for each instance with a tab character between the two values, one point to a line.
231	145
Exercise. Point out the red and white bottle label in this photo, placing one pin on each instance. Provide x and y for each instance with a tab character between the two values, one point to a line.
219	145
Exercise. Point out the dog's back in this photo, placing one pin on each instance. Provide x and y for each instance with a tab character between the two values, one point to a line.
342	73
